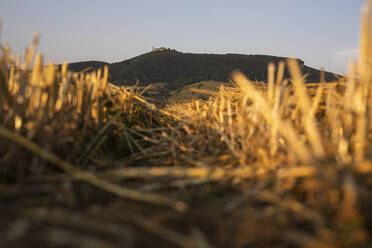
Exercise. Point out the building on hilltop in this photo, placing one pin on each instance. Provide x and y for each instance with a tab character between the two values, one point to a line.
158	49
163	49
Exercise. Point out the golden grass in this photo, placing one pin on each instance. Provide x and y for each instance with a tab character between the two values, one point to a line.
298	141
59	110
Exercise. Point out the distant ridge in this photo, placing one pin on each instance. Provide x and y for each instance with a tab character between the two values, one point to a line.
87	65
178	69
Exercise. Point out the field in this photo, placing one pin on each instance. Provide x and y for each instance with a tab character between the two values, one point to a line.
85	163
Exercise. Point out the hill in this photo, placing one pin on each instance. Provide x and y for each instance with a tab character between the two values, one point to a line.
87	66
177	69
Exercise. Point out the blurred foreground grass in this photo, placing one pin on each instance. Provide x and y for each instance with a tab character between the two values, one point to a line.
88	164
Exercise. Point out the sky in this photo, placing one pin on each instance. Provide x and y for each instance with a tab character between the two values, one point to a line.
320	32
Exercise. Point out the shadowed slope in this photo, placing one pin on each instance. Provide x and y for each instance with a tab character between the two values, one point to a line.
178	69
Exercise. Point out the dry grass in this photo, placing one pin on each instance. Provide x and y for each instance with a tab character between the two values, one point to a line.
307	149
293	161
71	114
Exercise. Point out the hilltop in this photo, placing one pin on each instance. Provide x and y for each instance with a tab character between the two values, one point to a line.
177	69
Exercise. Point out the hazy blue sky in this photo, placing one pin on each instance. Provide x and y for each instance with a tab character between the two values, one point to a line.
321	32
